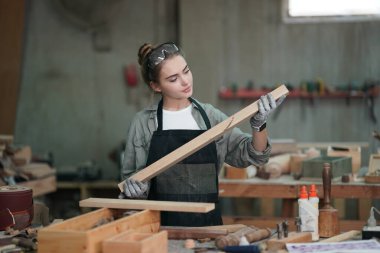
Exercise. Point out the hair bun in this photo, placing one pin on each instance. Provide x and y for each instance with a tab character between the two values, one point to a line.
144	50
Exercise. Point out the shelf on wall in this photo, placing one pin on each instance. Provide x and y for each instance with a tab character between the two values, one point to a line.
244	93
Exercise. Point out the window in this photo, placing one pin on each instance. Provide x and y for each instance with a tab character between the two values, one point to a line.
304	11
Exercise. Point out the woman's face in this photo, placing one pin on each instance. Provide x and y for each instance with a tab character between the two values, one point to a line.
175	79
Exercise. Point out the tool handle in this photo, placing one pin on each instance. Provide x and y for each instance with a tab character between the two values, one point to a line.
326	177
242	249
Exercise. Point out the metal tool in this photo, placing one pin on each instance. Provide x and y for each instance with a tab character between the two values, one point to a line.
298	224
279	231
285	228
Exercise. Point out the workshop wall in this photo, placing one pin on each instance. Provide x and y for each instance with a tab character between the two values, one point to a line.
247	40
73	100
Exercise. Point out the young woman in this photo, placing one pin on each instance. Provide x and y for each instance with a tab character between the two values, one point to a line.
177	119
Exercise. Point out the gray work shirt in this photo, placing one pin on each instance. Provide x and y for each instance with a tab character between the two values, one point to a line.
233	147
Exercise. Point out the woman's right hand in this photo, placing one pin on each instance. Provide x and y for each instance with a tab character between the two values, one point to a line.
134	189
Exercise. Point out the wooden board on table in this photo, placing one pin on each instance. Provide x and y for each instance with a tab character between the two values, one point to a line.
202	140
178	233
174	206
137	242
41	186
37	170
293	237
85	233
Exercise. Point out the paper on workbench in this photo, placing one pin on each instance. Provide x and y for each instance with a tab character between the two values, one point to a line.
366	246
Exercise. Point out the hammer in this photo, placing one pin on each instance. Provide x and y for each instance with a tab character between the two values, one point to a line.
328	221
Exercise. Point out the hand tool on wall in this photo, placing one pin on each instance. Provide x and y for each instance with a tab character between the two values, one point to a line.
328	216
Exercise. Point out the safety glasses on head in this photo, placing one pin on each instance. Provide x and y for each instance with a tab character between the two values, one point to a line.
161	52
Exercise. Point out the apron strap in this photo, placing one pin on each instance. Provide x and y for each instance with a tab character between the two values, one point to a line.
159	116
203	114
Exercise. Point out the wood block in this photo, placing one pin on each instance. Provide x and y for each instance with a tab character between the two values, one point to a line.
42	185
353	152
85	233
293	237
278	165
328	222
175	206
22	156
37	170
235	173
135	242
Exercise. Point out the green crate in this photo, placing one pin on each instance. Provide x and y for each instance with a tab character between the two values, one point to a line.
339	166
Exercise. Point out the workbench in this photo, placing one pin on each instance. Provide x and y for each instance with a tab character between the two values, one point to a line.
287	188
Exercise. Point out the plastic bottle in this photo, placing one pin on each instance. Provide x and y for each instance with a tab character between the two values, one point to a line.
307	212
302	200
314	201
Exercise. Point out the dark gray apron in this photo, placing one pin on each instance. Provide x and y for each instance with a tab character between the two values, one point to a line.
194	179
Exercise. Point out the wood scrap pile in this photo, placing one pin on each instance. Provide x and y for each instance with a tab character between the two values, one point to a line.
18	165
286	160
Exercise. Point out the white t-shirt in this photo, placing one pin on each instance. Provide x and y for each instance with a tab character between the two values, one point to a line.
182	119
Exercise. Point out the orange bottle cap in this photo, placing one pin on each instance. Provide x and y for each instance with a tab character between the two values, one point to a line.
313	191
303	192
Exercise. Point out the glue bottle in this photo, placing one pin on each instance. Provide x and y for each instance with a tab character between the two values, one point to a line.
307	212
314	201
302	201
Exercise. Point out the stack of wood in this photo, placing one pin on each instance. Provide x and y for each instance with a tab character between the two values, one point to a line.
280	163
17	164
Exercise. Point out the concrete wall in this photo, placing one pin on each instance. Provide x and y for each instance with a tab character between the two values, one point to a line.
73	101
237	41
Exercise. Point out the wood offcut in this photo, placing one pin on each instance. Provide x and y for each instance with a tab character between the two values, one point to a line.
174	206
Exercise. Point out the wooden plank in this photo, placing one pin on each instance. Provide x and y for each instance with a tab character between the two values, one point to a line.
174	206
133	242
344	237
41	186
178	233
230	227
293	237
201	141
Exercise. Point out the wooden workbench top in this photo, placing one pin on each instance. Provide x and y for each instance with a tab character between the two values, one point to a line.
287	187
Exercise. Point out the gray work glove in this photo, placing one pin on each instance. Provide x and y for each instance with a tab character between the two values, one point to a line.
266	105
134	189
